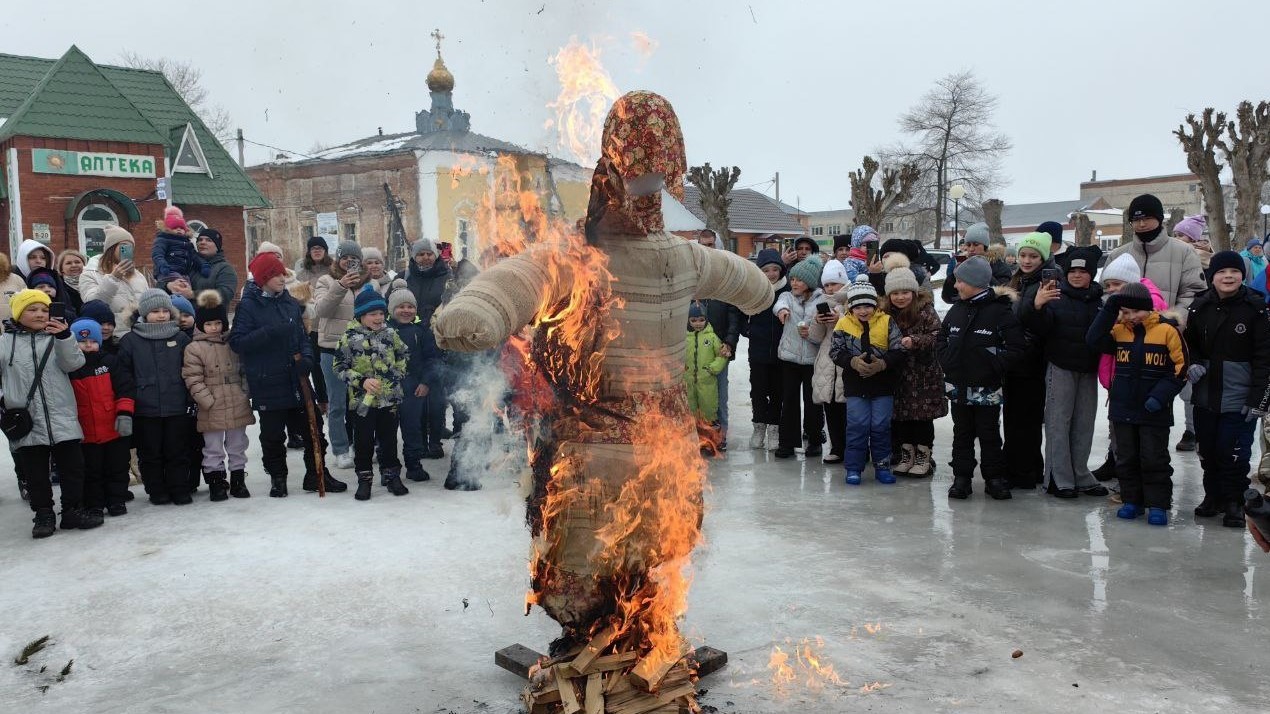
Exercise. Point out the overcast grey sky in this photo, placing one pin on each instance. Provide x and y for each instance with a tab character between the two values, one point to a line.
803	88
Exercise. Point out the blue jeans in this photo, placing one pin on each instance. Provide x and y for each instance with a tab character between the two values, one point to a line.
723	400
868	432
337	393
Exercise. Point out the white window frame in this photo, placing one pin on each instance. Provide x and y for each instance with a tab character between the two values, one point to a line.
81	224
191	139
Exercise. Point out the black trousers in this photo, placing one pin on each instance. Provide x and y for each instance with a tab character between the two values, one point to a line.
1142	465
918	432
196	454
1224	442
70	469
836	423
376	425
980	423
319	380
163	453
1024	414
765	392
795	424
274	425
106	472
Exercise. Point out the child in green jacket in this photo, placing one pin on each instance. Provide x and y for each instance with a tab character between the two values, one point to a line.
371	360
703	362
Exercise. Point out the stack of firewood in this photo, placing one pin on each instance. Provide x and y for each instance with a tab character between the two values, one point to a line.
601	678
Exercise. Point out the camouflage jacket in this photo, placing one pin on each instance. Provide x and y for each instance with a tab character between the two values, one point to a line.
364	354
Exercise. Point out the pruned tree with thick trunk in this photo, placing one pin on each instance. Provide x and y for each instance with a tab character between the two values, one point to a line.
1246	146
715	187
1200	138
1175	217
872	205
953	141
1084	229
992	216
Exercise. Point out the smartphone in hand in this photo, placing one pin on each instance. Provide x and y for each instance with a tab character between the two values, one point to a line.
822	308
57	311
871	251
1050	275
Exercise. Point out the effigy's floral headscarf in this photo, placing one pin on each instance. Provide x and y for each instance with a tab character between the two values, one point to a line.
641	137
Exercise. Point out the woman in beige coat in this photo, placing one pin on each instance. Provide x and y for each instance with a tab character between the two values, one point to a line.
826	378
215	380
116	280
333	307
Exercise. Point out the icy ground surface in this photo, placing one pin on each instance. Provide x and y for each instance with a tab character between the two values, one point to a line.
397	605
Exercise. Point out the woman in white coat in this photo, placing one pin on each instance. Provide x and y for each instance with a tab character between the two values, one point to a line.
116	280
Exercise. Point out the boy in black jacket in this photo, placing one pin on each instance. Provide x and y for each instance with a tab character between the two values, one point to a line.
980	338
422	410
1228	333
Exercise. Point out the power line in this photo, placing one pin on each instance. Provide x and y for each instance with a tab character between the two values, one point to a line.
285	151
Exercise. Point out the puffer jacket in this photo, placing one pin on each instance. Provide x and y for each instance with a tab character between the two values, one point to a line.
763	330
268	333
148	370
878	339
979	340
333	308
216	383
428	286
120	295
919	394
1107	363
1151	362
1032	362
1169	263
1062	325
793	347
703	362
54	414
1230	337
364	354
826	378
10	284
95	397
221	277
425	362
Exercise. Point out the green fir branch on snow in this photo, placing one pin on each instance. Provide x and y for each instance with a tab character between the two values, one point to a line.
65	670
31	648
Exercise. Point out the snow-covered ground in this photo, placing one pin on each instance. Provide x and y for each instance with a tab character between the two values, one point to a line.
397	605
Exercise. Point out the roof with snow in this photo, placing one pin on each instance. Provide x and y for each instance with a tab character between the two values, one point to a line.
751	212
1034	214
385	144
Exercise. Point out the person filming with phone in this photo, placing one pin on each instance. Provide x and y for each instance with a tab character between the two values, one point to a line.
116	280
333	300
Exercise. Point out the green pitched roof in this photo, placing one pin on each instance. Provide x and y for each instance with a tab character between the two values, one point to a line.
157	111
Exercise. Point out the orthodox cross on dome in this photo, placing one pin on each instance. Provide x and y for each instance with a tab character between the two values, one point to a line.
436	35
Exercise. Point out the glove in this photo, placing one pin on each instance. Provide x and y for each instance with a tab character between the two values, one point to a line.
1195	372
1252	414
1153	405
868	368
123	425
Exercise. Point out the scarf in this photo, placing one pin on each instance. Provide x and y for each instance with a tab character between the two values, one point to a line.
156	330
72	281
1150	235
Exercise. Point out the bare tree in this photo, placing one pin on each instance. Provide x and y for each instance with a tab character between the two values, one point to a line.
992	216
1175	217
187	80
873	205
1084	229
1200	137
1247	150
954	140
715	187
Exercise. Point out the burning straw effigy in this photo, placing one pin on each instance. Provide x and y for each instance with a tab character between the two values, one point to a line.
615	504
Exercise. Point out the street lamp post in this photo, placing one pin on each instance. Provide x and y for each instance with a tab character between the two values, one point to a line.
1099	234
956	192
1265	213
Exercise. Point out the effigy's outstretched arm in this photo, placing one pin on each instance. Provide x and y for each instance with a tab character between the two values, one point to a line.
500	301
727	277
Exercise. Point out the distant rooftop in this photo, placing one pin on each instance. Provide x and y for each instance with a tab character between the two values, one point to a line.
751	212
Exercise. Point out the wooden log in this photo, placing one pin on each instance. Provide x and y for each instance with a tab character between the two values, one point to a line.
649	671
517	659
602	640
569	697
609	663
708	660
651	702
595	694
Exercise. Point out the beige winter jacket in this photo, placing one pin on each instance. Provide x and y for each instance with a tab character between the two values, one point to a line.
1171	264
120	295
212	374
826	378
333	308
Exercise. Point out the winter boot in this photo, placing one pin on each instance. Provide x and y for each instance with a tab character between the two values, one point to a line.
905	463
1208	508
1107	471
332	484
454	483
772	441
90	518
117	509
853	478
1129	511
1159	517
883	474
417	473
999	489
961	488
434	451
393	483
278	487
182	498
238	484
1187	442
45	523
1097	490
923	465
756	438
364	481
295	442
1234	515
217	486
71	519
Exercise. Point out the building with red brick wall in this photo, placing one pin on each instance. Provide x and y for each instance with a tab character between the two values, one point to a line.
83	146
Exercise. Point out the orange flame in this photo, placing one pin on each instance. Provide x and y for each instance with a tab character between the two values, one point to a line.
586	92
808	665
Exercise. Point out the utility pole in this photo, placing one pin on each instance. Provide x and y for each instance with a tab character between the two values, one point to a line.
241	162
777	179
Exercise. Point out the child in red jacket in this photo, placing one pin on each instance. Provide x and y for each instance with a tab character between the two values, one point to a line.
106	421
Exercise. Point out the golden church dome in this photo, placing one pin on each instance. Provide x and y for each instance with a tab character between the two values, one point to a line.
440	79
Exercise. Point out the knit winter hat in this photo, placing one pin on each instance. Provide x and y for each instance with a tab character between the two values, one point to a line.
1084	258
210	308
1135	296
372	253
910	248
214	236
1253	243
833	272
24	299
182	305
862	292
268	247
114	236
901	279
861	235
975	272
1146	206
400	295
1037	241
1054	229
767	256
423	245
265	267
368	300
173	218
98	311
86	329
1123	268
315	242
1192	228
841	240
978	233
347	249
1011	250
1225	259
42	276
696	309
808	271
154	299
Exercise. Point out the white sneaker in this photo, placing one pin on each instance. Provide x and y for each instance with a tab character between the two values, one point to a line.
344	461
756	439
773	438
